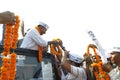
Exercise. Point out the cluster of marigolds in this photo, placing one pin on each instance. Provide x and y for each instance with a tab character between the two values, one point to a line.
99	74
8	68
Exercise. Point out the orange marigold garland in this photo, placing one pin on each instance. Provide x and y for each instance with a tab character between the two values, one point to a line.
5	69
7	40
14	46
40	53
40	48
12	66
8	69
99	74
15	33
55	49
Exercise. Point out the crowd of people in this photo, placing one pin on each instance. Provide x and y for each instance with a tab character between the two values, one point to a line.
70	66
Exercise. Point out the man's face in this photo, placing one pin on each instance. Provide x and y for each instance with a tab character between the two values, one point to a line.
71	62
115	57
43	30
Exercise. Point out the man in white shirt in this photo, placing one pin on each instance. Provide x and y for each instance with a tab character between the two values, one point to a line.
73	65
33	38
115	59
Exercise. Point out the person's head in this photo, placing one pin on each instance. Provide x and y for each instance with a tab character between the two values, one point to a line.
75	60
43	27
115	55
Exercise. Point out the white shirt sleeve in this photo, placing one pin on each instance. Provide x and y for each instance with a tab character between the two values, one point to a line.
37	38
79	73
74	70
32	40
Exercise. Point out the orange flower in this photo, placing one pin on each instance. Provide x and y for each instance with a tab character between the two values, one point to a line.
5	59
55	49
100	74
8	69
40	53
40	48
13	55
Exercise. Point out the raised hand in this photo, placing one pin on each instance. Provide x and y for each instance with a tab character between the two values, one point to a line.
7	17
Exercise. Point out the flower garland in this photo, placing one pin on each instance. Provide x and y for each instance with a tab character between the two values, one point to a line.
15	33
40	53
99	74
55	49
7	40
40	48
8	69
12	67
5	69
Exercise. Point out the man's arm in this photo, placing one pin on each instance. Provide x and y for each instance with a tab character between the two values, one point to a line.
64	63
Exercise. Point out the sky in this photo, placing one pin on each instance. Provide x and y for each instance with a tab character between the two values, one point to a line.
70	20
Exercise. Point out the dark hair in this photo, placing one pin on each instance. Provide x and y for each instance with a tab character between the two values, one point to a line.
41	26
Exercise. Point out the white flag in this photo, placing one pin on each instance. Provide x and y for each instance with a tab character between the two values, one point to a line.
100	49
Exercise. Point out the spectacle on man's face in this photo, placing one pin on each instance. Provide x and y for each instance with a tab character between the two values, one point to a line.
43	30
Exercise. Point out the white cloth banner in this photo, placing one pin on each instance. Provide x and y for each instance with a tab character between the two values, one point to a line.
100	49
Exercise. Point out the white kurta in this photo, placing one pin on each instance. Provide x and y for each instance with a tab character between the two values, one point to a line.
77	73
115	74
32	40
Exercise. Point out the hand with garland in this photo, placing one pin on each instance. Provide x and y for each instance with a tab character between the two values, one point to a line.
7	17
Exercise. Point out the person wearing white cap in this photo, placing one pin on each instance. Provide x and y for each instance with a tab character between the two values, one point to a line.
33	38
115	59
73	65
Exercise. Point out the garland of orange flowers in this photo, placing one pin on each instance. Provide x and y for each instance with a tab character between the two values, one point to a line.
12	67
7	40
55	49
100	74
15	33
40	48
8	69
40	53
5	69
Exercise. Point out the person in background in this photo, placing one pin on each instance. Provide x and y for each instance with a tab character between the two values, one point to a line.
7	17
88	61
87	65
71	65
115	59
